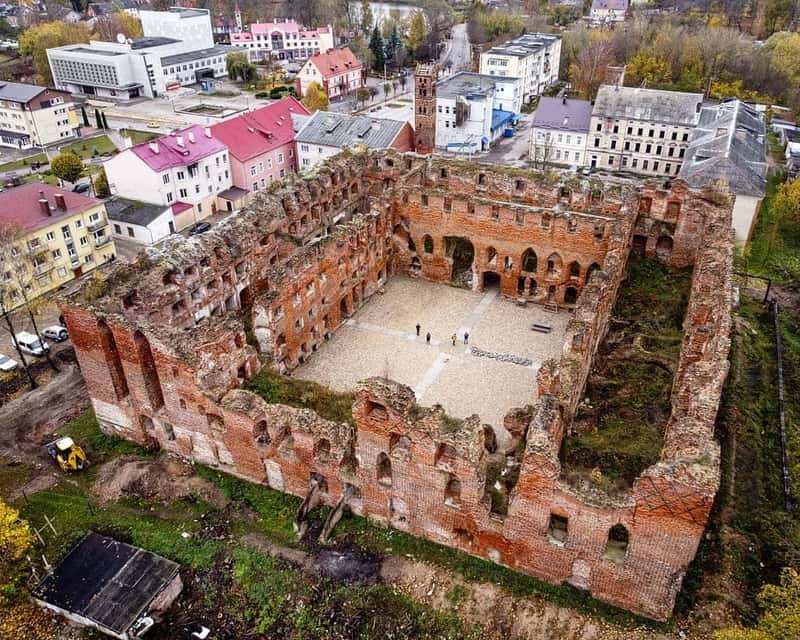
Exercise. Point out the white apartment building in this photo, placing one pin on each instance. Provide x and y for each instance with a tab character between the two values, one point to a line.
559	132
533	57
644	131
186	170
282	40
608	11
473	110
35	116
147	66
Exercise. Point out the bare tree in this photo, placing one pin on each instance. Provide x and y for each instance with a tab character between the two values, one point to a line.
541	150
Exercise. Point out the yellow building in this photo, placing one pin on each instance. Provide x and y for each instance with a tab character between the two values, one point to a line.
58	236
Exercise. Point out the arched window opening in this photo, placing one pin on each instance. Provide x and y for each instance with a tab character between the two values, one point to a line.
384	470
664	247
260	434
529	261
491	256
617	543
574	270
594	267
427	244
322	450
452	492
445	456
570	295
554	264
399	446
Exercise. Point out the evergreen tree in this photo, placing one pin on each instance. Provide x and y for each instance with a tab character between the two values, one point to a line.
376	46
393	47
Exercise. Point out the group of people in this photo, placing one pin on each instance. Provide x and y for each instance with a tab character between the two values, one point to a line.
453	338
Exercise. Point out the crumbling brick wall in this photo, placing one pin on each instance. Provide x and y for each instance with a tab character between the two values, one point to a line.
166	349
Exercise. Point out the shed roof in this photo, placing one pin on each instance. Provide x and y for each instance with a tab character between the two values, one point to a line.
653	105
134	212
106	581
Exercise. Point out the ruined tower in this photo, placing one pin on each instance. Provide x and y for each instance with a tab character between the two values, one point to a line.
425	108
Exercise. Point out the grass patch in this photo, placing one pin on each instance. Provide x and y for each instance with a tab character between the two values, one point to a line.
90	147
285	603
98	445
629	388
23	163
278	389
138	137
774	251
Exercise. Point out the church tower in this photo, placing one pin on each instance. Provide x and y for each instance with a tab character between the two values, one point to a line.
237	17
425	108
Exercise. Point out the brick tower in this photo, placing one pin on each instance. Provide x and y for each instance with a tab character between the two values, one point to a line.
425	108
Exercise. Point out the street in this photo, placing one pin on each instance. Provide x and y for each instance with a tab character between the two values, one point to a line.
457	55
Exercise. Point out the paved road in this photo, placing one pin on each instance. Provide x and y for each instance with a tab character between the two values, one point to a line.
457	52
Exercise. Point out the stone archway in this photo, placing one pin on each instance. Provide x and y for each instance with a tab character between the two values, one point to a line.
461	254
491	280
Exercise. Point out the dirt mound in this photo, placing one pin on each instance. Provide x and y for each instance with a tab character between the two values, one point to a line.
165	479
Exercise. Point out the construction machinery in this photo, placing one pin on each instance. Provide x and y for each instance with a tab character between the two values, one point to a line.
68	455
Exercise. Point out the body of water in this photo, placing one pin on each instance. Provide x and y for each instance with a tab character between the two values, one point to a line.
380	10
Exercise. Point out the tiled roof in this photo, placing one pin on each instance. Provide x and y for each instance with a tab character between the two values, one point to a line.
19	206
342	130
563	114
656	106
18	92
729	143
267	27
259	131
334	62
167	151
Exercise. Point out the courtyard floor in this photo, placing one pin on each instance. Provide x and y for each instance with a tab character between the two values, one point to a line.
380	340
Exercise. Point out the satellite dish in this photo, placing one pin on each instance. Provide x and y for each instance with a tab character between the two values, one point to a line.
121	38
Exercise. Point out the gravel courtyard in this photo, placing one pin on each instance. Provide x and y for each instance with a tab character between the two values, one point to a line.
380	340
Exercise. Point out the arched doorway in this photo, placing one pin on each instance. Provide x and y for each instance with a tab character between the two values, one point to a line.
461	253
491	280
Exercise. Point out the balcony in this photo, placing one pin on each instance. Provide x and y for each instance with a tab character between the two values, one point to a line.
97	224
99	242
42	269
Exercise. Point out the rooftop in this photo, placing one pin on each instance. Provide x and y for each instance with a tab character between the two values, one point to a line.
342	130
197	54
525	45
181	148
18	92
152	41
108	582
472	86
133	212
673	107
20	206
610	5
563	114
730	143
335	61
260	131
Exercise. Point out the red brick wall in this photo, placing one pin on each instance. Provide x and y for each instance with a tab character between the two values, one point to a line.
164	354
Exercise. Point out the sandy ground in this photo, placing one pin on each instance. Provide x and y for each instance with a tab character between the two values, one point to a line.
380	340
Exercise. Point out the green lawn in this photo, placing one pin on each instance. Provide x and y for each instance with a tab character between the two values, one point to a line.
138	136
23	163
86	147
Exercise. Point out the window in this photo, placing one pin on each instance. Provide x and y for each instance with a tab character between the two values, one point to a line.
280	158
685	137
648	148
304	147
651	133
56	254
84	241
557	531
253	170
165	178
50	236
181	175
183	193
613	144
644	164
639	131
66	232
597	142
169	197
674	135
117	229
131	232
599	126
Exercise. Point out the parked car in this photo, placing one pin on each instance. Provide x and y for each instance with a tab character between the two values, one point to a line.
30	344
82	187
7	364
55	333
200	227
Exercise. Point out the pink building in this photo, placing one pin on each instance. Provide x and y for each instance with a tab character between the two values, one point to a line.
282	40
261	144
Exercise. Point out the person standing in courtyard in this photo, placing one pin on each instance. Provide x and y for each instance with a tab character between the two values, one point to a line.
466	337
419	326
453	338
428	337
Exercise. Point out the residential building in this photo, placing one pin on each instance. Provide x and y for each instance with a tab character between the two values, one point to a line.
473	110
62	236
644	131
326	133
559	131
100	9
261	144
338	71
283	40
608	11
729	143
139	222
177	49
792	153
35	116
533	58
185	170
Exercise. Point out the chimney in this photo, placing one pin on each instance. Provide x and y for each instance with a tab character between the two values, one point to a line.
154	147
190	135
44	206
179	140
208	132
61	203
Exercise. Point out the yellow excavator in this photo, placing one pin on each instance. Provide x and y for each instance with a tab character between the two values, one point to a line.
68	455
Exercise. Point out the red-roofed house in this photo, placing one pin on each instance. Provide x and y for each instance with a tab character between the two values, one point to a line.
186	170
261	143
338	71
283	40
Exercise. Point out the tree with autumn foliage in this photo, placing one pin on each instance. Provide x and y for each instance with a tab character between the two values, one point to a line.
15	538
315	98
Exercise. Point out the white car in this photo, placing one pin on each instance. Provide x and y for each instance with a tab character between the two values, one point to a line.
56	333
7	364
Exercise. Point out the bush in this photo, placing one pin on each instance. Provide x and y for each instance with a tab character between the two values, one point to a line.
263	95
277	92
